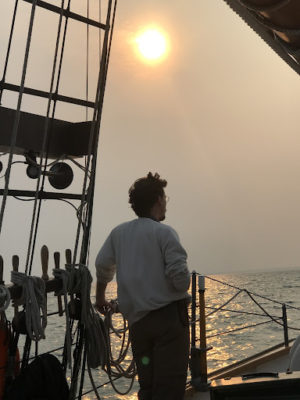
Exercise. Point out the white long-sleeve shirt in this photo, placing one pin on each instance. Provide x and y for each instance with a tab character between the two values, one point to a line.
150	266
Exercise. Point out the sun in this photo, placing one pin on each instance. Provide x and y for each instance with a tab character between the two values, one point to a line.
152	44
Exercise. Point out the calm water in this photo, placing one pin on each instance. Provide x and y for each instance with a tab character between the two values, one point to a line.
240	313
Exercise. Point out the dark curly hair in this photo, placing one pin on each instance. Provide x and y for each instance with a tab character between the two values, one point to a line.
144	193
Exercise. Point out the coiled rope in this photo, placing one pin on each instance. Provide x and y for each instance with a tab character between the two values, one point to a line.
4	298
97	331
35	302
114	367
77	280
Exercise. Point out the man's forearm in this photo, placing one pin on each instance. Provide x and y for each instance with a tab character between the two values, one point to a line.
100	293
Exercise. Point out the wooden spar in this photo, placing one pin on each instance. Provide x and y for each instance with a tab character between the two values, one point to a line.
66	137
43	195
15	265
68	254
57	265
1	271
45	260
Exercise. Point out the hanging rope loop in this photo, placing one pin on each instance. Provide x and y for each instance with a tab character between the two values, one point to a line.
35	302
4	298
95	331
77	280
65	277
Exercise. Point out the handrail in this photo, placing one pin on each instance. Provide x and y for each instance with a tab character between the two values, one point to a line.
252	293
197	354
237	329
237	311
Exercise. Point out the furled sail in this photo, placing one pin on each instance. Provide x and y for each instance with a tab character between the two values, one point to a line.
277	22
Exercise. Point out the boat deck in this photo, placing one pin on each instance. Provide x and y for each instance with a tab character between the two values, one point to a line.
272	360
192	394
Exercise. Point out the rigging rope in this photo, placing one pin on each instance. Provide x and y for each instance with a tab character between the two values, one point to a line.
263	310
9	47
93	323
87	58
17	114
225	304
99	36
45	143
237	311
95	389
237	329
272	318
94	135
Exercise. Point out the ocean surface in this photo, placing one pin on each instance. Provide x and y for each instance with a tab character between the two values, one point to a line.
238	329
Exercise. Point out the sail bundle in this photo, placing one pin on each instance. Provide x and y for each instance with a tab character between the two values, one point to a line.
277	22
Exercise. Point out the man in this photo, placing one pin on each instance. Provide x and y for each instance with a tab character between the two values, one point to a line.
152	279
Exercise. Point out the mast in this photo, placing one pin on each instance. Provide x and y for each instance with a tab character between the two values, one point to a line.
39	138
52	132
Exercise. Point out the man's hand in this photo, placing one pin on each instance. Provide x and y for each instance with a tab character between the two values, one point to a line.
104	307
101	305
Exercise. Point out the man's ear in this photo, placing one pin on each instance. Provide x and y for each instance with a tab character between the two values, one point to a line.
160	200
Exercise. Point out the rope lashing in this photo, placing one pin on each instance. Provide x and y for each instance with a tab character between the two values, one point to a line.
4	298
34	299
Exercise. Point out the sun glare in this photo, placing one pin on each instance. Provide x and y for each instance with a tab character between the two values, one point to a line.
152	45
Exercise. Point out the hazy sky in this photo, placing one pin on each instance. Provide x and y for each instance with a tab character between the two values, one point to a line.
219	119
